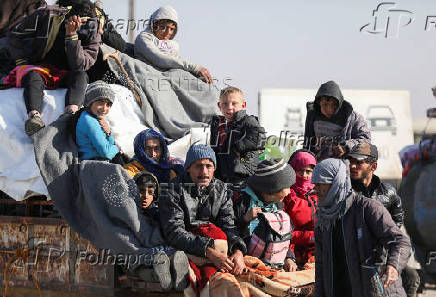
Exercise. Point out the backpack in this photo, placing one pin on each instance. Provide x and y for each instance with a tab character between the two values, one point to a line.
271	238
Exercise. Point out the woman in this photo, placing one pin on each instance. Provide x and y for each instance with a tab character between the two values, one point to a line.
301	205
152	155
155	45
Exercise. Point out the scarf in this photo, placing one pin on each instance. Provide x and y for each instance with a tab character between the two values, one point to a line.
338	200
160	169
298	162
256	202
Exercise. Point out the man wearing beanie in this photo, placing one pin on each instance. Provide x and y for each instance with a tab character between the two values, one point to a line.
359	249
265	192
195	200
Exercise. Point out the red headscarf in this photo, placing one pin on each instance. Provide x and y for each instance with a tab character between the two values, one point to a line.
298	162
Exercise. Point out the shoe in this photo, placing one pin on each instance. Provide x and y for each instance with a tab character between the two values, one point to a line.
161	267
180	270
33	125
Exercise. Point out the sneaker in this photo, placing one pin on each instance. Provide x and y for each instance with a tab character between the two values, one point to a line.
33	125
161	267
180	270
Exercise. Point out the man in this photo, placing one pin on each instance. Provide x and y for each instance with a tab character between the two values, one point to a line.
356	239
196	199
152	155
363	162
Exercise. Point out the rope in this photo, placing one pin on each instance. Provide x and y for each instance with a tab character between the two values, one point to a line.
19	254
126	75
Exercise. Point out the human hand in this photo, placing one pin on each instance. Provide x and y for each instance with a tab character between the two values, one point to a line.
73	24
290	265
252	214
219	260
238	262
391	275
338	151
206	75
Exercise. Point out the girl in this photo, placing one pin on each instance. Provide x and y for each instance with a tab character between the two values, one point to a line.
301	205
93	134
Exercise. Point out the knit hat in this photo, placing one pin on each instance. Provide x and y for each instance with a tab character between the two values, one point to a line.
363	150
197	152
98	90
272	176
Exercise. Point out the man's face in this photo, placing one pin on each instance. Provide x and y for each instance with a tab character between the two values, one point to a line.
164	30
328	106
361	169
201	172
321	191
153	149
231	104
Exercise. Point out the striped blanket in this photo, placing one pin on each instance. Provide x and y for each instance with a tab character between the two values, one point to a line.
258	281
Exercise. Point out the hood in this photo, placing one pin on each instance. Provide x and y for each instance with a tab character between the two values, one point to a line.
146	173
139	145
164	13
329	89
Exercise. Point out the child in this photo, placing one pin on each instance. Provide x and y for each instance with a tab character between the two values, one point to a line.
264	195
236	138
61	61
148	187
170	271
332	127
301	206
93	134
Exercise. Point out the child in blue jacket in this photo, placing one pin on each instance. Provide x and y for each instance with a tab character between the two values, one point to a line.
93	133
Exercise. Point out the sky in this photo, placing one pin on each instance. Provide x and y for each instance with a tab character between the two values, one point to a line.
301	44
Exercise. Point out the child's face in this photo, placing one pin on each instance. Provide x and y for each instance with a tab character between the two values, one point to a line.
231	104
147	195
101	107
328	106
276	197
306	171
164	30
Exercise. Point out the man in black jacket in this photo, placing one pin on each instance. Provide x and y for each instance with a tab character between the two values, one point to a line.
195	199
363	162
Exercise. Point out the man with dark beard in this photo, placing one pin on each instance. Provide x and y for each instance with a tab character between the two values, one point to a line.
363	162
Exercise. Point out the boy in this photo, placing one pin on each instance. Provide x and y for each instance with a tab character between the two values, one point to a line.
265	193
332	127
72	52
236	138
171	271
148	187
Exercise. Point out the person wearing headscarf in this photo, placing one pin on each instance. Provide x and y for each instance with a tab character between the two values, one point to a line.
152	155
301	204
359	249
155	45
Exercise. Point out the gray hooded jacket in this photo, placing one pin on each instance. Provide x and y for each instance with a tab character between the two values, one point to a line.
346	127
162	54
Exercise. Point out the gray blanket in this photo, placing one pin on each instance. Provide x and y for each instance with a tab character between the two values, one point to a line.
97	199
173	101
